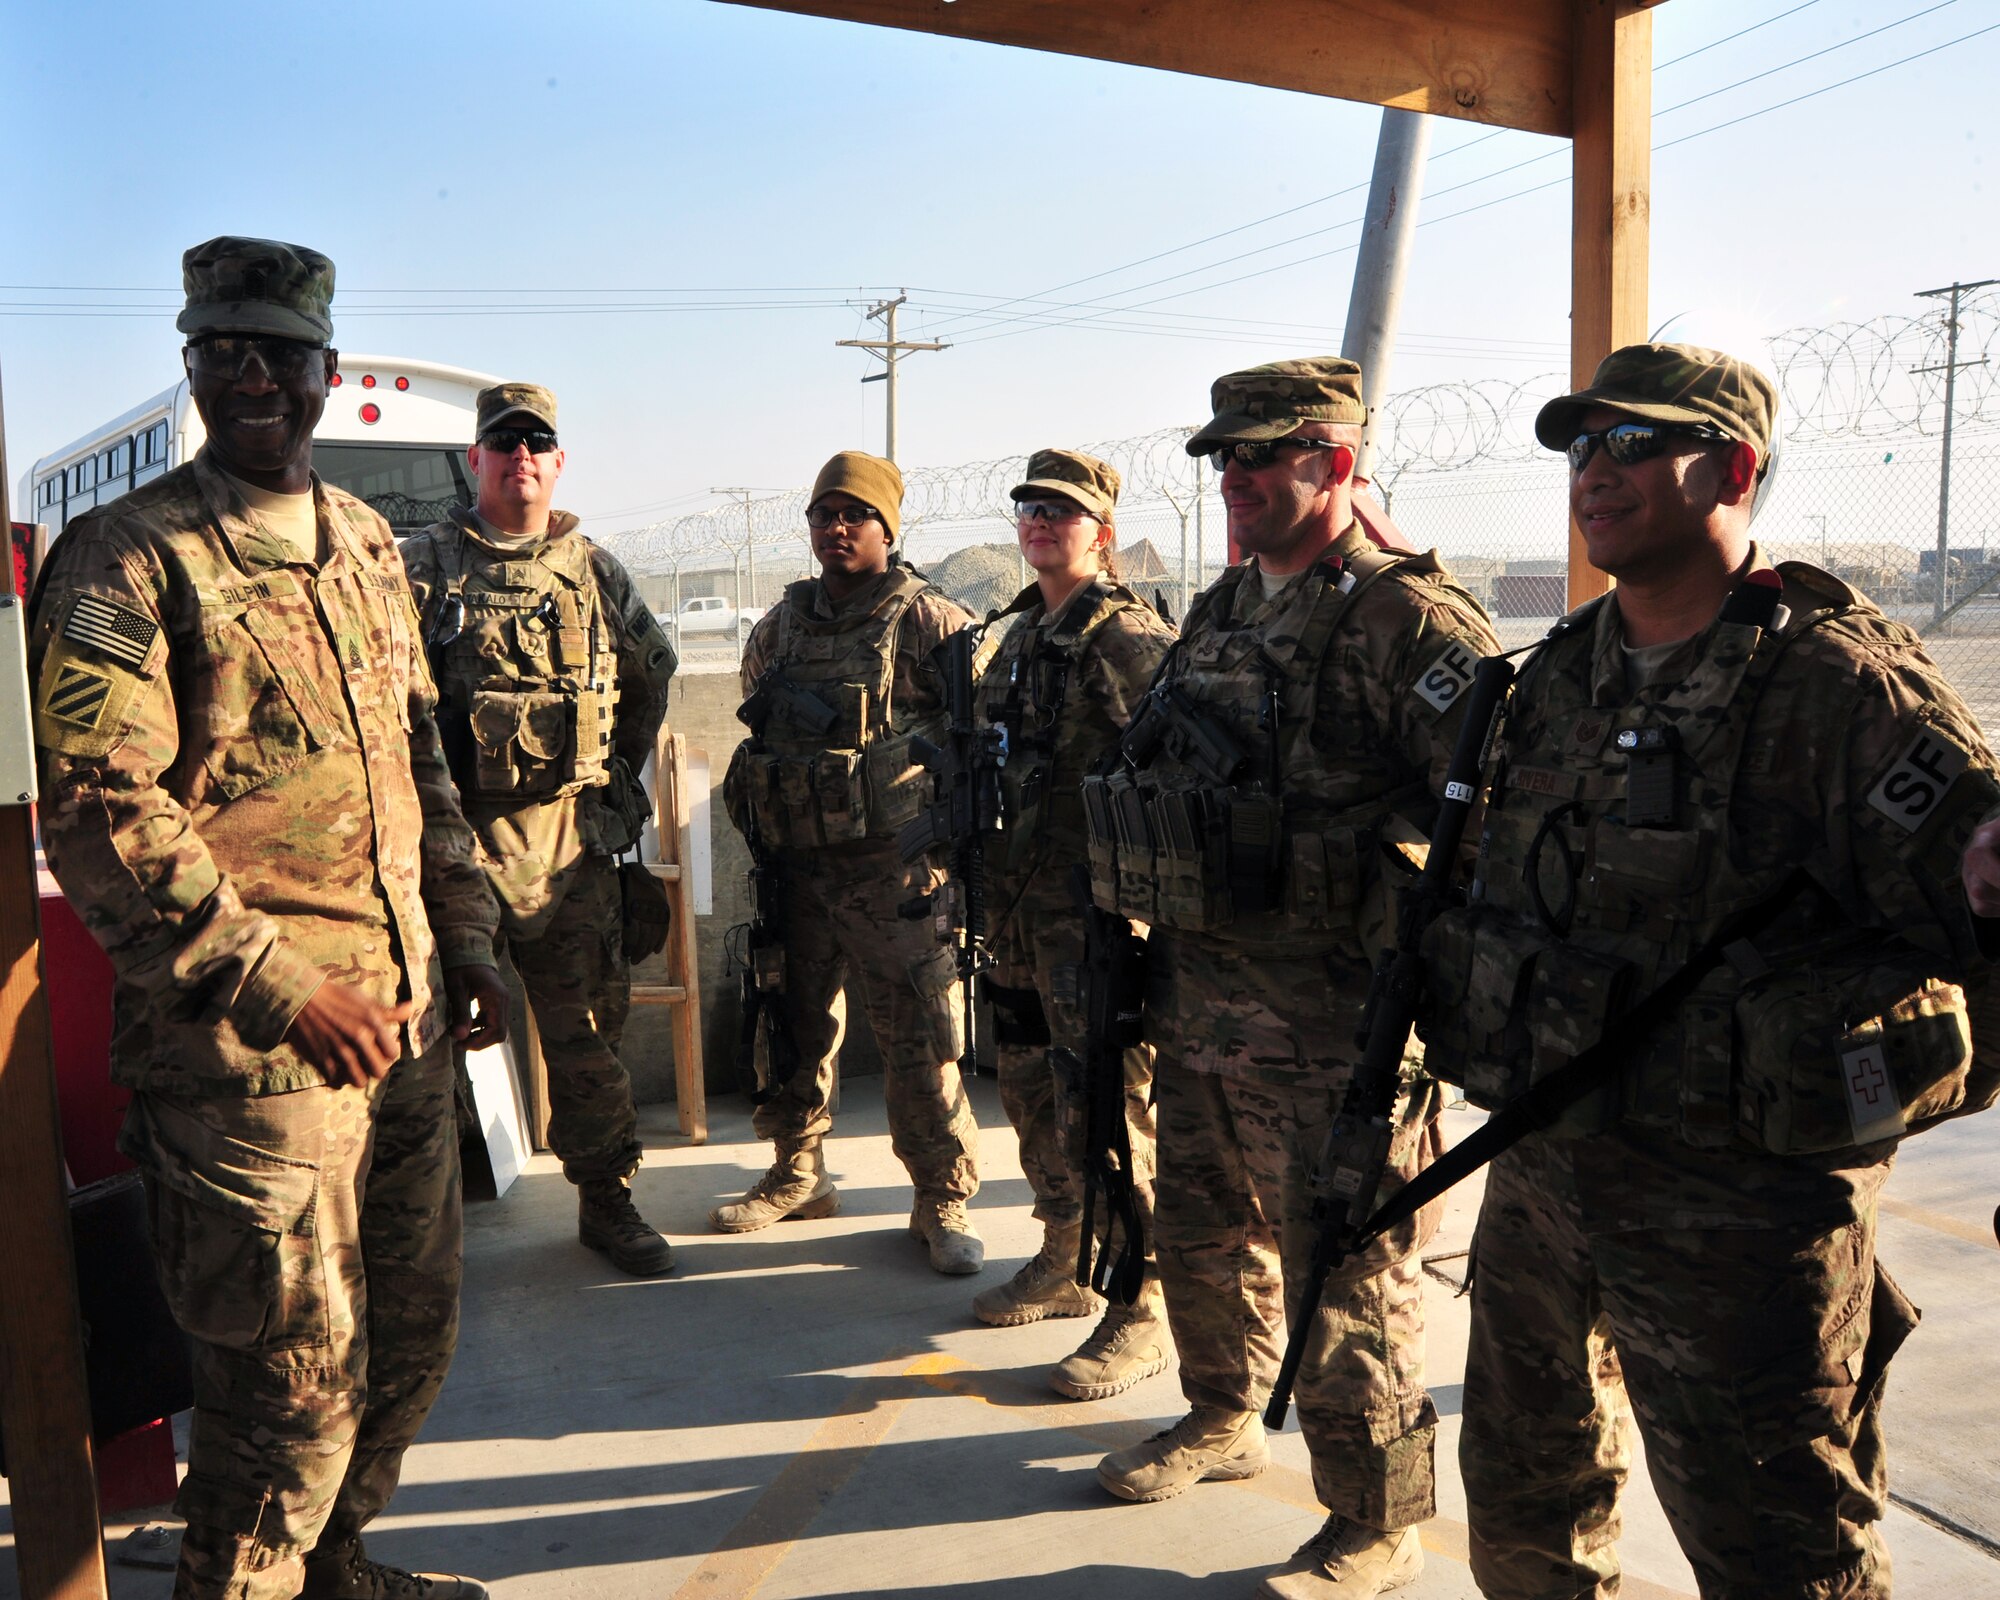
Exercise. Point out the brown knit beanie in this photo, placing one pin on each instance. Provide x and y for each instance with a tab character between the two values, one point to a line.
870	479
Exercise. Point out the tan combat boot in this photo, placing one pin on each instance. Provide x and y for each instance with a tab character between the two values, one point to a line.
1045	1286
1128	1345
342	1572
1208	1444
1347	1561
608	1222
955	1246
796	1187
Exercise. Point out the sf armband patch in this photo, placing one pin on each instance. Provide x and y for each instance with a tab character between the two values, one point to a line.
77	695
1916	785
1446	678
112	630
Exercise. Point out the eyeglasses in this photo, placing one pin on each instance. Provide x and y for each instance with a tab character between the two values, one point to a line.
824	517
226	355
507	440
1048	510
1262	452
1629	443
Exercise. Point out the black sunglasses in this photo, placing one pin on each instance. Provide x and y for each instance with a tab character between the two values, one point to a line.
1629	443
226	355
1262	452
507	440
824	517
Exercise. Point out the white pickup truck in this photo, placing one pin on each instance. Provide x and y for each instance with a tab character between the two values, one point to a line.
712	616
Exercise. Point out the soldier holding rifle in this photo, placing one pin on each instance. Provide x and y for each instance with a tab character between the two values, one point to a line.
838	678
1717	962
1295	736
1073	657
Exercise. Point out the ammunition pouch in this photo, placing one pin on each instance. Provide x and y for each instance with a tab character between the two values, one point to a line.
826	797
1814	1055
525	740
1224	861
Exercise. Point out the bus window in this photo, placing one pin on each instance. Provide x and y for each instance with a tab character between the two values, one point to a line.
411	485
150	449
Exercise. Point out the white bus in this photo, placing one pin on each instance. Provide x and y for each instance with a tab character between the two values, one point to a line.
394	433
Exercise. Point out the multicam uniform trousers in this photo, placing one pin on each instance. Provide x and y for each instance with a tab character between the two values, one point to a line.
1244	1110
1044	1098
579	985
842	927
1753	1360
309	1245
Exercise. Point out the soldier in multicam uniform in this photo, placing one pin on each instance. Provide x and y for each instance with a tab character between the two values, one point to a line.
552	679
1071	658
828	800
1298	730
245	798
1715	739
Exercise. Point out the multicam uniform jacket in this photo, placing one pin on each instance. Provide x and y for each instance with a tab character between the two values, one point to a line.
1626	823
551	630
243	790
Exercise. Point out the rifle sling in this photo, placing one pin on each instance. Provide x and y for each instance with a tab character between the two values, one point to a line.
1543	1102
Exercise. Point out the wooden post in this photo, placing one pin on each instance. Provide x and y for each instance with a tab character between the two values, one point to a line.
672	821
1612	96
44	1402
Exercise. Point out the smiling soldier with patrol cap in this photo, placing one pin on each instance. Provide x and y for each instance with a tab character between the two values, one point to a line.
1302	722
245	798
1746	778
552	676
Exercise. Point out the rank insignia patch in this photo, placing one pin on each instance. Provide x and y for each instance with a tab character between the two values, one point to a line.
78	695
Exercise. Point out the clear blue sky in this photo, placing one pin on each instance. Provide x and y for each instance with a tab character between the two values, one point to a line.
531	157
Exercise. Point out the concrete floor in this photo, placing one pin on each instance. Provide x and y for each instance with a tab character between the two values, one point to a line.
810	1411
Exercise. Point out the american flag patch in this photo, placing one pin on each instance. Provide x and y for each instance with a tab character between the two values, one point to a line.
110	629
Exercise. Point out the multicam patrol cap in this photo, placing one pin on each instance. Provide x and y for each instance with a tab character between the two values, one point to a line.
1272	401
873	480
239	285
1091	483
1671	383
530	400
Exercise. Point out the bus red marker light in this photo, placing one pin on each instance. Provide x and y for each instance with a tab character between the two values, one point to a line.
367	380
335	384
371	413
402	383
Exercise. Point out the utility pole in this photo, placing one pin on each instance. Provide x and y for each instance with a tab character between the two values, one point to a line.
891	350
1388	230
749	561
1954	293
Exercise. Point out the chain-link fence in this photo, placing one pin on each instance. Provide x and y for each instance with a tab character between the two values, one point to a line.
1859	490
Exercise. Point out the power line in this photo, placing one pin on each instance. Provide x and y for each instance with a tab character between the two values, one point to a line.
1812	94
1689	55
1802	60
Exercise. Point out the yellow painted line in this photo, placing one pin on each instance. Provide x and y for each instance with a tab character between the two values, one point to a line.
752	1550
1938	1222
737	1567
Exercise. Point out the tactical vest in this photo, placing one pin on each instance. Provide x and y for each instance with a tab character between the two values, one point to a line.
1271	857
854	777
1607	859
1026	687
533	668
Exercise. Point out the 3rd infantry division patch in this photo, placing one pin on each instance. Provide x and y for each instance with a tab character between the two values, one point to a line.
78	695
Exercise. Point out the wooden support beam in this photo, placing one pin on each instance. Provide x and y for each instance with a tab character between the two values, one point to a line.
1507	65
44	1403
1611	217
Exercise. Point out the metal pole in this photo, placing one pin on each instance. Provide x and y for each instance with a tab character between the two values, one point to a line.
1951	365
1383	262
889	322
1200	540
750	561
1945	459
